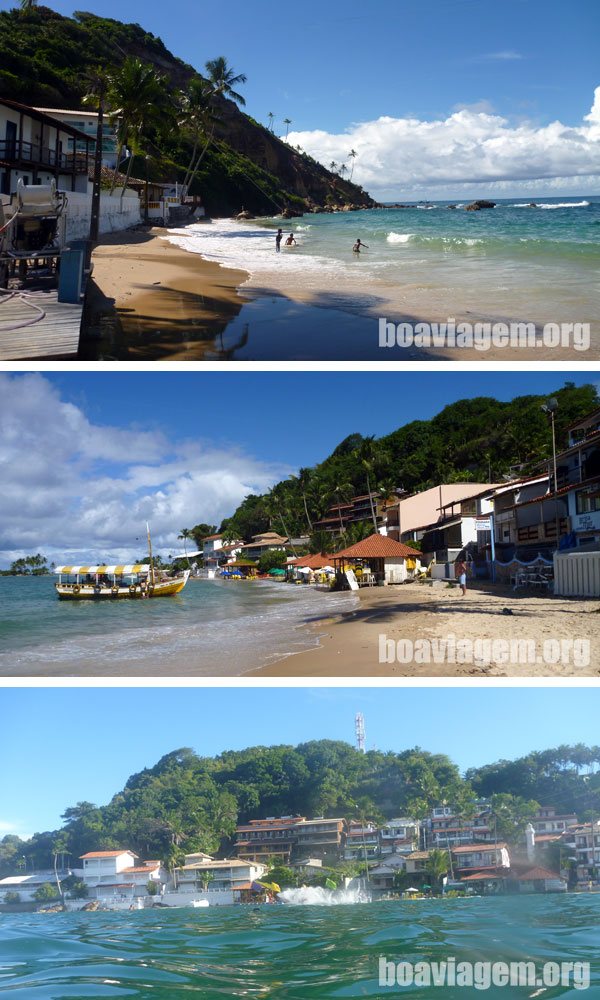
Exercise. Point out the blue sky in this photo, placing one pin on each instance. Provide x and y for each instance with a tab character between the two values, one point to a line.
64	758
328	67
87	459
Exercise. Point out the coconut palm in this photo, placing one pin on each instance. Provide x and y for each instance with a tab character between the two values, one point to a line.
343	170
333	166
271	118
367	458
224	79
437	865
137	95
198	117
184	534
27	5
353	154
275	510
287	122
304	480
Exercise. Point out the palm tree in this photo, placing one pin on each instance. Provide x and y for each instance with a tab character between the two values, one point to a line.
275	509
271	118
333	166
198	117
224	79
304	481
184	535
352	154
27	6
138	97
287	122
340	493
343	170
367	458
437	865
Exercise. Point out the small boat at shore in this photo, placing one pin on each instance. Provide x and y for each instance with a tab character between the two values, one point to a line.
131	581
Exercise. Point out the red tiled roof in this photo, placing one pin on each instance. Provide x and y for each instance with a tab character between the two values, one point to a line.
104	854
478	875
313	562
470	848
377	546
242	887
534	874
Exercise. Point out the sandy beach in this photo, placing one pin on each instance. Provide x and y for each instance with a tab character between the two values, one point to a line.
422	632
150	301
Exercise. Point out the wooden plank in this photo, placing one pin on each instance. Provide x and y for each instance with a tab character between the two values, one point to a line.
56	334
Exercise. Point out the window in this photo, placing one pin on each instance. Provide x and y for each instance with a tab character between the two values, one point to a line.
588	501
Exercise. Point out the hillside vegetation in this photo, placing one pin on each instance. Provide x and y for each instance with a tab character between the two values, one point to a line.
473	440
53	61
188	803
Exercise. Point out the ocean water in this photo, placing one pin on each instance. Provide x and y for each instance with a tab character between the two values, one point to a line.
211	628
291	952
424	263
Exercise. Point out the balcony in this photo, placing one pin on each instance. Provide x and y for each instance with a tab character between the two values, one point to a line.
17	151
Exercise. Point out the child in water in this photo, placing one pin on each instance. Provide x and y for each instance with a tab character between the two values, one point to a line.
358	245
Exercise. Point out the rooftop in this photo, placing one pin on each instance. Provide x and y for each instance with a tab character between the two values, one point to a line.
377	546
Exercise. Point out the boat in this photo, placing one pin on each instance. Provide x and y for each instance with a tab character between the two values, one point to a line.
130	581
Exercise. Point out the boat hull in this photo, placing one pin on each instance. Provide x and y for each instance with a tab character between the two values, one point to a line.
89	592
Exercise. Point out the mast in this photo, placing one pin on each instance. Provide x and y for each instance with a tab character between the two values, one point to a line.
150	554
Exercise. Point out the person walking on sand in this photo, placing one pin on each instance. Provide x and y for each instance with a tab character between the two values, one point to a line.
278	240
358	245
460	574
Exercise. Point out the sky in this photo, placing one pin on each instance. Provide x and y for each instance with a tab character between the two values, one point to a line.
67	757
87	458
439	98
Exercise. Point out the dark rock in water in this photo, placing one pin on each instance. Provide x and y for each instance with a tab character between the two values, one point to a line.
245	214
450	206
290	213
476	206
90	907
532	204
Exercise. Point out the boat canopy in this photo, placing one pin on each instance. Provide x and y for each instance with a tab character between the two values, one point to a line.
108	570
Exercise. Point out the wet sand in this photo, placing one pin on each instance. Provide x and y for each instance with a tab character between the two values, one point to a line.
151	301
422	632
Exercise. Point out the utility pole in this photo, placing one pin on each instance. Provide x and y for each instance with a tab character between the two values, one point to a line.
95	216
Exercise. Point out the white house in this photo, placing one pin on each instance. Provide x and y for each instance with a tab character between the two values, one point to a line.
399	836
26	886
120	873
34	148
86	122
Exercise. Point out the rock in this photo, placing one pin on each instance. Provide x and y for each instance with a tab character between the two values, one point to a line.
476	206
245	214
94	904
451	206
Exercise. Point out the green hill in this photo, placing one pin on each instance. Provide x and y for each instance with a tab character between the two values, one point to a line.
48	60
472	440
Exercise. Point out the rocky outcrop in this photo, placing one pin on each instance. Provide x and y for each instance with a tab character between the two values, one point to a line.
476	206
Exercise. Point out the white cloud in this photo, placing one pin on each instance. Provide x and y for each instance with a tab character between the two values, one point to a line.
75	490
399	157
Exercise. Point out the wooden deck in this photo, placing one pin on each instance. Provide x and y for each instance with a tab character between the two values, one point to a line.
34	324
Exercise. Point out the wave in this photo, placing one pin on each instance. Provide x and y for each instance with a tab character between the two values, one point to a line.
547	204
399	237
443	241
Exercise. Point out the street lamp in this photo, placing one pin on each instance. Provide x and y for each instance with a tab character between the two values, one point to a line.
549	408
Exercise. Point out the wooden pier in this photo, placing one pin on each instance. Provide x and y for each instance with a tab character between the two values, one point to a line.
35	325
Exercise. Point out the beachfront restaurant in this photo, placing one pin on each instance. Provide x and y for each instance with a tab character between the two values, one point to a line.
377	560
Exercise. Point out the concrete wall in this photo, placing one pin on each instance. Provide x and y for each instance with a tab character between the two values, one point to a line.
114	215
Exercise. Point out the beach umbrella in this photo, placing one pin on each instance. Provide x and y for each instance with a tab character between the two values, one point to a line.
276	572
412	890
304	569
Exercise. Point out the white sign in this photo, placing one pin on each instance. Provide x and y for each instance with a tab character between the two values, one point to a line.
483	524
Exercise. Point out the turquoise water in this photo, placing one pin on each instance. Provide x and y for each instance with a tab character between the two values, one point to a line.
290	953
212	627
423	263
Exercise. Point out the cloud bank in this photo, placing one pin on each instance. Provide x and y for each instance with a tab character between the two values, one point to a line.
399	157
76	490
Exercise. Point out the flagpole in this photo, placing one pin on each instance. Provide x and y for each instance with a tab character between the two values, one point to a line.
150	554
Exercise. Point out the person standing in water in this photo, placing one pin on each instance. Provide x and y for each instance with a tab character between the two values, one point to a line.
358	245
291	242
278	240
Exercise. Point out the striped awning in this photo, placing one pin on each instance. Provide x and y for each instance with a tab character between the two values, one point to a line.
109	570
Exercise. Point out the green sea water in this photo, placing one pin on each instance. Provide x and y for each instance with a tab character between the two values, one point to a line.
291	952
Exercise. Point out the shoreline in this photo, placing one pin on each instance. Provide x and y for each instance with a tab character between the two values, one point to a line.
442	629
149	300
152	299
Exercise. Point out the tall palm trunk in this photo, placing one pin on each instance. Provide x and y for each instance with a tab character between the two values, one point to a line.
373	514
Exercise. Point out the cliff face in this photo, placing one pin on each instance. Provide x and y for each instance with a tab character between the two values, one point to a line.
46	59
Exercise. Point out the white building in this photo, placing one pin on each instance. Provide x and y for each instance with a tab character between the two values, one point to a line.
36	148
26	886
86	122
120	873
399	836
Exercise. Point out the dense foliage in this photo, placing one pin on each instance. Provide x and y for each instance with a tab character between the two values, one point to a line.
54	61
191	803
28	566
472	440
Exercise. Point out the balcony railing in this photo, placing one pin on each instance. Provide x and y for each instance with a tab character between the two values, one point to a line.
18	151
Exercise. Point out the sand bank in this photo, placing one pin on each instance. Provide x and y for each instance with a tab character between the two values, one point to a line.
150	301
426	632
